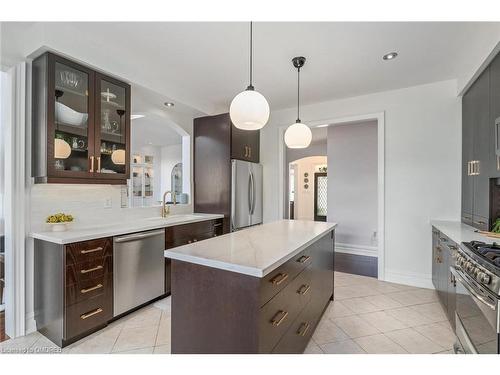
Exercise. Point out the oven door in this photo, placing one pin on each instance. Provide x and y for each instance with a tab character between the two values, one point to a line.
477	316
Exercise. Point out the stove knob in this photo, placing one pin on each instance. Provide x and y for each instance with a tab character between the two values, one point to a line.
469	266
483	278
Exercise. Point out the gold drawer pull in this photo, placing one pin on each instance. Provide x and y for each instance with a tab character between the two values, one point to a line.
304	289
304	327
92	313
276	322
91	269
91	250
303	258
279	278
98	286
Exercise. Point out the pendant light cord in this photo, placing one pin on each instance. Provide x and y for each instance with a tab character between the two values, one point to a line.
298	95
250	87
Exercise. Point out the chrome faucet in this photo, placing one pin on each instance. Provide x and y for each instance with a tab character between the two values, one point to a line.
165	209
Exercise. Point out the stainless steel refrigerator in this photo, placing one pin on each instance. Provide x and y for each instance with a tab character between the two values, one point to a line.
246	194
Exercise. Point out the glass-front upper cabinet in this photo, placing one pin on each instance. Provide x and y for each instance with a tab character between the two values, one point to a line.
81	124
71	137
112	128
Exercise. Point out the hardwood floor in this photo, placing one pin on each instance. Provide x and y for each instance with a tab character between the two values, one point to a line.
3	336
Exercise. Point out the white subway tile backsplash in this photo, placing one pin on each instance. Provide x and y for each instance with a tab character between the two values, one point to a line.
87	205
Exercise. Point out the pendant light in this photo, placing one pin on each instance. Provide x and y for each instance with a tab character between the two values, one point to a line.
249	109
298	135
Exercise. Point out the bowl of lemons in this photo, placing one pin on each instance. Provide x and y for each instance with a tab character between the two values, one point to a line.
59	222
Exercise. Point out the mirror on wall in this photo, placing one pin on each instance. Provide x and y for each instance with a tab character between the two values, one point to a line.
157	162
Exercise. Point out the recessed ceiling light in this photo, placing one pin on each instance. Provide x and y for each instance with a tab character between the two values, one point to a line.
322	126
390	56
133	117
169	104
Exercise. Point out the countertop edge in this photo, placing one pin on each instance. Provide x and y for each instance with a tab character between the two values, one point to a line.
245	270
466	230
47	236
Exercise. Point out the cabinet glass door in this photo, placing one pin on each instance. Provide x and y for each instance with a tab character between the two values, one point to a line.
73	130
112	129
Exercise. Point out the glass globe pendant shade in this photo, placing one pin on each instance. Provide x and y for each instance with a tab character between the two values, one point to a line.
249	110
298	135
62	150
118	157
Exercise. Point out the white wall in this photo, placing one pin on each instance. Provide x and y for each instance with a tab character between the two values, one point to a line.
422	166
304	198
352	183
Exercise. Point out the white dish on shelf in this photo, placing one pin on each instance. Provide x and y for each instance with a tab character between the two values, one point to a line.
69	116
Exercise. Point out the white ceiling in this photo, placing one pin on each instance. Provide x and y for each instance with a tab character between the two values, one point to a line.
203	65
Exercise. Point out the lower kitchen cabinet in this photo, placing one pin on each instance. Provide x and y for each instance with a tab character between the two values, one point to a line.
184	234
73	288
444	252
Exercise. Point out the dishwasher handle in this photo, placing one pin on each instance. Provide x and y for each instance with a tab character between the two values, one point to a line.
138	236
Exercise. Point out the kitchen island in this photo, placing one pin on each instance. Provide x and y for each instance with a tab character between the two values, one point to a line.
258	290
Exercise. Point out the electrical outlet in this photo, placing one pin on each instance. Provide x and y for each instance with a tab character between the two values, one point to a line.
108	203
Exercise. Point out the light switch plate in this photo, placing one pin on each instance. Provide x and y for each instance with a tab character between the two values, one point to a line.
108	203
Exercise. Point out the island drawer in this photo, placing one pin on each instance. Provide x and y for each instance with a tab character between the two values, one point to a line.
87	289
277	315
79	252
298	335
283	275
87	315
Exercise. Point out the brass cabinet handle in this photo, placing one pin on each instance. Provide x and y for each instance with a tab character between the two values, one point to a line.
92	250
91	164
246	151
98	164
439	260
480	222
98	286
92	313
439	249
303	289
91	269
498	162
303	258
249	152
217	224
195	240
279	278
304	327
282	314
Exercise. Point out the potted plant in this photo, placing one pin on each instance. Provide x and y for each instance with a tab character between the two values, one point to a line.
59	222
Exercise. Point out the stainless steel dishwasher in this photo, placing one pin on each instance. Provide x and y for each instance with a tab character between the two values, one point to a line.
138	269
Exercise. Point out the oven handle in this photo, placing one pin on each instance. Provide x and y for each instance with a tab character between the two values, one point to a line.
476	293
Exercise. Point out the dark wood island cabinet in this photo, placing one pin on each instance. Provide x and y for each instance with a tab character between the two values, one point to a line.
258	294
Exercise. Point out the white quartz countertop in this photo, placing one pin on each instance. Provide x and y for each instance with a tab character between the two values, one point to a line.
460	232
255	251
137	225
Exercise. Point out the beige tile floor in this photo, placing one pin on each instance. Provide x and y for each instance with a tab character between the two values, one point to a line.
367	316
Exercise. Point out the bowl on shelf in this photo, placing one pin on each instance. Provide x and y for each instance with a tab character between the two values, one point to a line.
69	116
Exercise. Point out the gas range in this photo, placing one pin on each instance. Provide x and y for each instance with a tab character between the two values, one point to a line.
481	262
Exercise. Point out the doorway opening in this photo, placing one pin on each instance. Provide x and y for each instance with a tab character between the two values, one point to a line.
355	186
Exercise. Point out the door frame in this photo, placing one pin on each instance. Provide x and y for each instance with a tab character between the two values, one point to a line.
316	175
380	118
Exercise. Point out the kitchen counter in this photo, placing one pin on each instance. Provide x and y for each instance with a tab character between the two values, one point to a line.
460	232
255	251
139	225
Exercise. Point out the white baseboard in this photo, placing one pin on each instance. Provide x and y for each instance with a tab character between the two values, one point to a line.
369	251
30	323
409	278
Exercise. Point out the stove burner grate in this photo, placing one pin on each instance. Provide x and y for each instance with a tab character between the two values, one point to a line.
489	251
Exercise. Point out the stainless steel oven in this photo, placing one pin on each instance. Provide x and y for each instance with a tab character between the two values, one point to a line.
477	317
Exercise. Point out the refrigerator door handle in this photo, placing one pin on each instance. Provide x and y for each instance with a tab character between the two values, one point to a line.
250	187
253	194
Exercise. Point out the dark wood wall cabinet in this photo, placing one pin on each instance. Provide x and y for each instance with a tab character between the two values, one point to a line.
73	288
216	142
81	124
481	148
218	311
444	253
